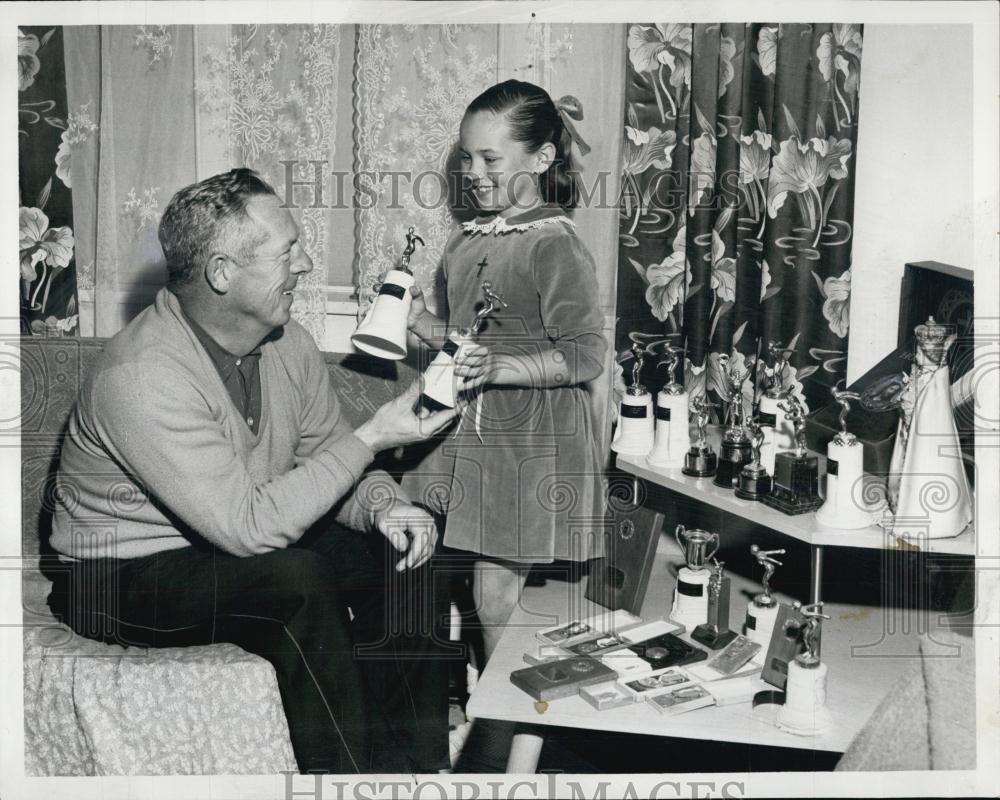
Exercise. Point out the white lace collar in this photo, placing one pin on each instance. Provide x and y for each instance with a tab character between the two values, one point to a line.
499	225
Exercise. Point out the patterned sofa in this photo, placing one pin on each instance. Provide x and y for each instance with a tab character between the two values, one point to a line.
96	709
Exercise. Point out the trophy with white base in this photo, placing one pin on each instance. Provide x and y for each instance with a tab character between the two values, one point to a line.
844	504
672	438
690	606
763	609
439	378
382	332
634	435
804	712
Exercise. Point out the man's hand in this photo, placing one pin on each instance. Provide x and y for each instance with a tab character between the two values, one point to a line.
475	365
395	423
410	530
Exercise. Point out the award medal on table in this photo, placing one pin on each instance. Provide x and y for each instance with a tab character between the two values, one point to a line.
634	435
382	333
796	474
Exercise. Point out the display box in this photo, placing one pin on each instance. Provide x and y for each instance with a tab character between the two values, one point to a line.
929	288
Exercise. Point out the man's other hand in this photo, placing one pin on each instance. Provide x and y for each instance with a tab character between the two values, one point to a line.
410	530
396	423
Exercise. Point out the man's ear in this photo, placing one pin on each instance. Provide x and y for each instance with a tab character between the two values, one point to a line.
219	272
544	157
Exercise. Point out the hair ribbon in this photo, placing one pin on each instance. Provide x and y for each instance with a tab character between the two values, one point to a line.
570	109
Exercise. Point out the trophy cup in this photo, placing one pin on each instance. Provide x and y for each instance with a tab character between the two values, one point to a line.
844	459
763	609
672	438
804	711
754	482
382	332
779	434
796	474
690	606
735	450
715	633
700	461
439	378
928	485
634	435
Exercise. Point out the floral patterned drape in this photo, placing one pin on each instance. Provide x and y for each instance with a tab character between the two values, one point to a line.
46	132
736	225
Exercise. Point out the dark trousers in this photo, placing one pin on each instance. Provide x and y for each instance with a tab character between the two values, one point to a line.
364	691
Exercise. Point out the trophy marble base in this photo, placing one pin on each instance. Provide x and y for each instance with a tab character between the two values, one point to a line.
734	456
796	484
711	637
700	463
753	486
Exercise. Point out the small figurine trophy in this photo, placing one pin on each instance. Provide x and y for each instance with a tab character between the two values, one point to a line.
804	711
763	609
439	378
382	332
700	461
754	482
796	474
690	606
634	435
779	434
735	451
672	438
715	633
844	506
928	486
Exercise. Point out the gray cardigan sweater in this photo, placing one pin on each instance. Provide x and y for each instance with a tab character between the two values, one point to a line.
155	448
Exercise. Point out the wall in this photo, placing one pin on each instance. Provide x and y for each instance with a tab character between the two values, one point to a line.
913	194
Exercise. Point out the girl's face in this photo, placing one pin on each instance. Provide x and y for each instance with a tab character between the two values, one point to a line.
502	175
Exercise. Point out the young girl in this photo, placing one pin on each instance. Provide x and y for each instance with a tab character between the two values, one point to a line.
520	482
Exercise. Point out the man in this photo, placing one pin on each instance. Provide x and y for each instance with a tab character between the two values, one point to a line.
209	443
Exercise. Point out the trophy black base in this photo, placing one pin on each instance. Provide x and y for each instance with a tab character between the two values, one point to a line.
732	459
700	463
711	637
796	484
792	504
753	487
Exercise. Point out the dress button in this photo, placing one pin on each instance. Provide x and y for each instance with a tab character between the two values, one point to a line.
249	420
239	361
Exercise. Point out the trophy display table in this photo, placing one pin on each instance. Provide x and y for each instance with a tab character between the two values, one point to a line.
858	679
803	527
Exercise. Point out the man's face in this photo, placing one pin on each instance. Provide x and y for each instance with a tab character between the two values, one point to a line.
261	288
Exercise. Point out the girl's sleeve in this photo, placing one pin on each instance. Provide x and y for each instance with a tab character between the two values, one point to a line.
565	275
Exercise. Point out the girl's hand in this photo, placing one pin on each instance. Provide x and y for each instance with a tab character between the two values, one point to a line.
417	307
475	365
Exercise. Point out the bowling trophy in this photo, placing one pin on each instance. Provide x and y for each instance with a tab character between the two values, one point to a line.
672	439
763	609
690	606
844	506
735	451
779	434
382	332
804	711
754	482
634	435
928	487
700	461
715	633
439	378
796	474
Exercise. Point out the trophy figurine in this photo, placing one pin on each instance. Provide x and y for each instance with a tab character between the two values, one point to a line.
439	378
690	606
634	435
844	504
796	474
928	486
672	439
735	450
754	482
804	711
700	461
382	332
763	609
779	434
715	633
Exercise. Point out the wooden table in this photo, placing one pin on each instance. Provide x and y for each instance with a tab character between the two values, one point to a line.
858	679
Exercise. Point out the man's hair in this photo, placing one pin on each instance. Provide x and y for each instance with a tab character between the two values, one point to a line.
210	217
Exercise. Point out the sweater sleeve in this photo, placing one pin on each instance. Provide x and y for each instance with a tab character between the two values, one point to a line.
565	275
155	421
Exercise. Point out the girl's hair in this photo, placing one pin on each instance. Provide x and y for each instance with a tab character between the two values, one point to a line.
534	120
